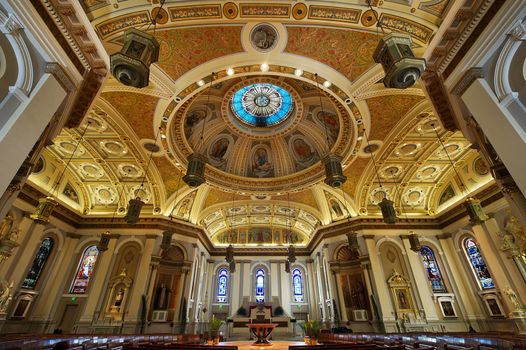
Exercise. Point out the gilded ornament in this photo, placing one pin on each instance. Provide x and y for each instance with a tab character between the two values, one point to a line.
230	10
299	11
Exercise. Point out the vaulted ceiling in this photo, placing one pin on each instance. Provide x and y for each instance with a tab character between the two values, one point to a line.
289	203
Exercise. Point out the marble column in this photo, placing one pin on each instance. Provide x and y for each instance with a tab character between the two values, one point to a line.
96	285
498	274
511	267
380	280
313	292
423	287
466	295
140	283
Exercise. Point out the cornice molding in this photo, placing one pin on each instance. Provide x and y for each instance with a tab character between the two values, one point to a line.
487	196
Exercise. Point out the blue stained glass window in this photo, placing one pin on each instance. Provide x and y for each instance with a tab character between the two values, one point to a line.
260	285
38	264
222	285
297	284
478	264
84	270
262	104
432	270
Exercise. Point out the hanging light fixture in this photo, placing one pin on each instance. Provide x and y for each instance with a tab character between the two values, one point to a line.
102	244
131	65
352	240
135	204
47	204
402	69
167	239
472	205
332	162
104	241
386	205
195	173
414	241
291	250
229	257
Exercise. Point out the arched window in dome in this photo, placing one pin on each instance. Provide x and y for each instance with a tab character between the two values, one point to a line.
84	270
478	264
222	285
432	270
260	285
297	286
38	264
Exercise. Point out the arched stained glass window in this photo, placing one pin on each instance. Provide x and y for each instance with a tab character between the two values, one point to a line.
222	285
37	266
432	270
260	285
84	271
297	285
478	264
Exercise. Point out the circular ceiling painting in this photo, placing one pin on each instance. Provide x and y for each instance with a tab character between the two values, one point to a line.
262	104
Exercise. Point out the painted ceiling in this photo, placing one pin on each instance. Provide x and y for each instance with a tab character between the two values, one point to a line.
264	185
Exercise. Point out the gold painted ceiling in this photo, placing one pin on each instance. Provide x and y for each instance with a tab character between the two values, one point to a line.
330	39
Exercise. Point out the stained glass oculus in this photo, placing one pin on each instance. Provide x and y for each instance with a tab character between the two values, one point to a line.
262	105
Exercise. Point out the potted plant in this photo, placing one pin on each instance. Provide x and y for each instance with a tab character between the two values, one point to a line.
304	328
310	329
213	326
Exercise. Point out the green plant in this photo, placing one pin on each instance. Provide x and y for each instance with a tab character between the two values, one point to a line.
215	324
310	328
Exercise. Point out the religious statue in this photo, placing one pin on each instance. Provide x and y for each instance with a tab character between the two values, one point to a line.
515	229
7	225
161	297
514	299
5	295
118	298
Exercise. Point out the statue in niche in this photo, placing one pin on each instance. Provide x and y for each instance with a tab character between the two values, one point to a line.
5	296
514	299
161	297
515	229
7	225
118	298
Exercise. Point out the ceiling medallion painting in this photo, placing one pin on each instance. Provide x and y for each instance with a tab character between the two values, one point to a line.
264	37
262	105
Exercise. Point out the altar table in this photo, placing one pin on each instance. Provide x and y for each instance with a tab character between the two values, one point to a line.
261	331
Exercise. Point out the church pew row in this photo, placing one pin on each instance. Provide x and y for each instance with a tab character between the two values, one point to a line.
90	341
347	346
464	341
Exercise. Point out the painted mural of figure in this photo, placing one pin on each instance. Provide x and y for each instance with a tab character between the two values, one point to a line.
331	121
219	148
303	150
192	119
335	208
261	166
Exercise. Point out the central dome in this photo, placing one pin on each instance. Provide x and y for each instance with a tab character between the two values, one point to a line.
262	104
262	133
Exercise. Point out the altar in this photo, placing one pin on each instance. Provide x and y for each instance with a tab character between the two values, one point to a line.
261	331
260	313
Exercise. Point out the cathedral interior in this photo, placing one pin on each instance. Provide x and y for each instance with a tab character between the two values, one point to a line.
183	167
